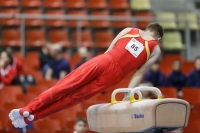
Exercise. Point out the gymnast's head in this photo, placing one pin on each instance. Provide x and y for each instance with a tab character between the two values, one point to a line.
155	30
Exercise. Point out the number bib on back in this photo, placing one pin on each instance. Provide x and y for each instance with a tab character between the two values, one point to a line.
134	47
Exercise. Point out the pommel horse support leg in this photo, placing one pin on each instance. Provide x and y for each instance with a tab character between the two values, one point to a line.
140	116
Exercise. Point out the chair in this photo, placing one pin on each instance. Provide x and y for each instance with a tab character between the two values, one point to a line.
50	126
11	37
93	100
9	131
10	21
33	60
33	22
47	83
192	95
192	127
191	17
75	4
33	131
53	3
165	68
9	3
37	75
70	124
187	67
82	13
35	38
10	106
106	96
65	131
100	23
171	57
59	36
18	55
5	121
103	38
55	22
122	24
140	5
61	117
36	90
142	24
81	114
74	60
119	4
172	41
10	93
31	3
169	20
88	131
25	98
85	39
94	4
169	92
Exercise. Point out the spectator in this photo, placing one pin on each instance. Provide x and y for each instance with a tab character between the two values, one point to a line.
16	63
83	53
58	66
177	78
194	76
80	126
154	76
44	57
7	72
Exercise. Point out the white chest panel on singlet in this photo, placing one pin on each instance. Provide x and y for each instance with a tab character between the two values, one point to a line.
134	47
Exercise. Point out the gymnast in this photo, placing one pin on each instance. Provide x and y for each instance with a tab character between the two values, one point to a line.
132	49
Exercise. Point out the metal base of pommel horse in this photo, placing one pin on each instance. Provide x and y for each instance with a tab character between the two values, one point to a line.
139	116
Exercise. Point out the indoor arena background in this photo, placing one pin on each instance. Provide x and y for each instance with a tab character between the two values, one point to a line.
84	29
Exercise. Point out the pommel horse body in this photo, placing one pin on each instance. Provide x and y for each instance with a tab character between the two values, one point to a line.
139	116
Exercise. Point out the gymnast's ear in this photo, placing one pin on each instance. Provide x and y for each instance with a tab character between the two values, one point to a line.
159	38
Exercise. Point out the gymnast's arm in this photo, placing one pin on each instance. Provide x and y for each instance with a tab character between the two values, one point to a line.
124	31
137	77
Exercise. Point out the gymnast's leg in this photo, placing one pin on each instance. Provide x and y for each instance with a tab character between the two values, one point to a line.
71	99
79	77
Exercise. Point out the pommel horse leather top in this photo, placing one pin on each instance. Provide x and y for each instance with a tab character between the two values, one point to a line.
148	116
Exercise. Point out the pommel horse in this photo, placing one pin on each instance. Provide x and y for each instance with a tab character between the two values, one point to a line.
139	116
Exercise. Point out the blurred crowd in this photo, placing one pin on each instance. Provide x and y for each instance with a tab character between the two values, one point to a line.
155	77
53	65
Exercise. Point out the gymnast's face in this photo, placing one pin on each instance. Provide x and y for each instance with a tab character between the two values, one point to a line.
80	127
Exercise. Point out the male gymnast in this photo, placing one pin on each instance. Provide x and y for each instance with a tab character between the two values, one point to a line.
132	49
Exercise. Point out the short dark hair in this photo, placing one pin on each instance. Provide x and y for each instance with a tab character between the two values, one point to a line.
81	120
156	28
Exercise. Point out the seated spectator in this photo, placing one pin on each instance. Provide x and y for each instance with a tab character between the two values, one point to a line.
44	57
177	78
80	126
7	72
194	76
83	53
58	66
16	63
155	76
